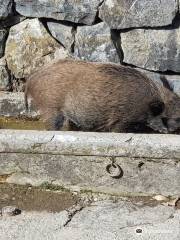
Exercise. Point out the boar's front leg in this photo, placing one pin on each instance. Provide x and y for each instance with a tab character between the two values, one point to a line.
56	120
53	120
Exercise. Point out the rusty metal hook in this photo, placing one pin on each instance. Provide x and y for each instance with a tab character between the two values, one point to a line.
114	170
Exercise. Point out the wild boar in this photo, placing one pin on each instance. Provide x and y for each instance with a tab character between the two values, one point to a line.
77	95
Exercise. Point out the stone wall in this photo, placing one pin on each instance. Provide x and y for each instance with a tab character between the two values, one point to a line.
140	33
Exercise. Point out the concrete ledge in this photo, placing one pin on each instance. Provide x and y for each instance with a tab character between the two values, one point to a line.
150	163
91	144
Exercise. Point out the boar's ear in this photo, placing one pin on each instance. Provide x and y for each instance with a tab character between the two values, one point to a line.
156	107
165	82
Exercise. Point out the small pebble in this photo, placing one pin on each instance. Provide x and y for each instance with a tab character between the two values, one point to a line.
10	211
160	198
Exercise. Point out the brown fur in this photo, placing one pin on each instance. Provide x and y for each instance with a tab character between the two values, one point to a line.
93	96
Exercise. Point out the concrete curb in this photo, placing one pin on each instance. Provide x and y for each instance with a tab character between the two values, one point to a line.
150	164
90	144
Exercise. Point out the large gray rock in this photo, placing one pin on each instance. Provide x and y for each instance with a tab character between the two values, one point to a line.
3	34
83	11
30	46
5	8
63	33
157	50
94	44
121	14
4	76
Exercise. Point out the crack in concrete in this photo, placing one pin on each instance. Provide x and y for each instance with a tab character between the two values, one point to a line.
146	158
37	145
72	212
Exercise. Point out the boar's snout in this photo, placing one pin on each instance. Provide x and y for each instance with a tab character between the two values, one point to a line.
172	124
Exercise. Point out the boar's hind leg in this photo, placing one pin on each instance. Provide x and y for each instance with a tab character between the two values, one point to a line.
53	121
58	121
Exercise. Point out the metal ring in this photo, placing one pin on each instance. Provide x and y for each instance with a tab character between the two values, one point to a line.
114	170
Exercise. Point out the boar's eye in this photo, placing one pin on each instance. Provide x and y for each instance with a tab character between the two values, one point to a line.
156	107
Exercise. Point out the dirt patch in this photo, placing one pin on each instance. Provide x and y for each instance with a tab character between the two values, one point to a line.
35	199
21	123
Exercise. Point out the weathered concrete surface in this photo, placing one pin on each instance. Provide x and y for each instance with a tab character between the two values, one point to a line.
140	176
156	50
33	225
101	220
121	221
119	14
94	43
83	11
150	163
12	105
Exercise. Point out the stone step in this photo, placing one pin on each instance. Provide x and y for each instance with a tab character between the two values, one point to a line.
144	164
12	105
105	220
